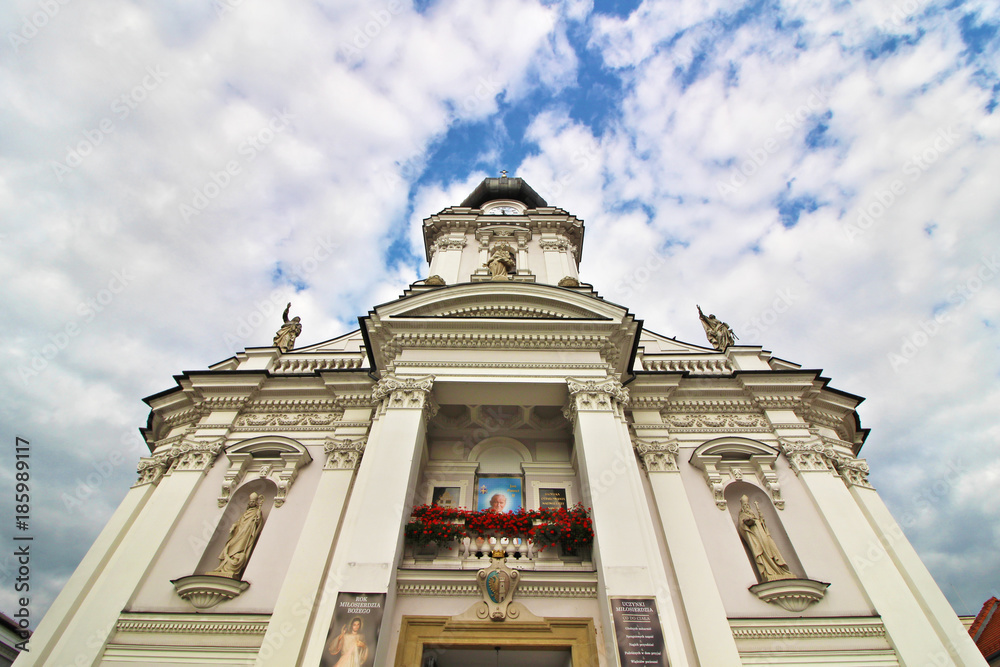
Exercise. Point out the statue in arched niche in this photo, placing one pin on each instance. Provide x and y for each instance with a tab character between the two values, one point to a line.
770	564
242	537
501	262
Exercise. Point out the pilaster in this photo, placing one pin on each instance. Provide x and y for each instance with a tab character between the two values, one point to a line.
626	552
284	640
909	630
172	475
364	560
706	615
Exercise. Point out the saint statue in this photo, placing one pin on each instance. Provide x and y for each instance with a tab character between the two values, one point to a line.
718	332
501	262
767	559
350	645
242	537
284	340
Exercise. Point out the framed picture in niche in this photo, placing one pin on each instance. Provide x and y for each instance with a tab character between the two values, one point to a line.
501	493
446	496
551	498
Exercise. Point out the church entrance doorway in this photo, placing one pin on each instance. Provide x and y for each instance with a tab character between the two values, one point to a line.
442	641
496	657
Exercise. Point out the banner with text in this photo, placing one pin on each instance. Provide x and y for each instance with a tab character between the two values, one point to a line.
638	632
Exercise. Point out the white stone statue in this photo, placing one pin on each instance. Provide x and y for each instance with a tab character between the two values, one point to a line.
767	559
242	537
284	340
718	332
501	262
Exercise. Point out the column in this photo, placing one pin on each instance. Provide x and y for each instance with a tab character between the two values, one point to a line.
76	590
908	629
626	552
284	641
706	615
951	632
83	640
370	543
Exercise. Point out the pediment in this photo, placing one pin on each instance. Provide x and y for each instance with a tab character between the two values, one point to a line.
654	343
504	301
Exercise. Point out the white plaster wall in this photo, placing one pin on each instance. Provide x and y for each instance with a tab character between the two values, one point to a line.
268	564
814	547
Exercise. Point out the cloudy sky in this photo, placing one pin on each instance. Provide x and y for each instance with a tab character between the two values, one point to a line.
823	176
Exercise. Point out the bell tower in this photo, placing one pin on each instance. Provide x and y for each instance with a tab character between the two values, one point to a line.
504	231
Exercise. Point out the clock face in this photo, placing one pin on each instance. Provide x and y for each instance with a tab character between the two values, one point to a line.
503	210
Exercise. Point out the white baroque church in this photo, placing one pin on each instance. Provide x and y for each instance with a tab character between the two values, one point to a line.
733	522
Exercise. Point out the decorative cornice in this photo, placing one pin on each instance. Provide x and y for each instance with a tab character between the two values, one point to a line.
309	364
211	624
811	628
343	453
504	311
717	365
658	456
525	590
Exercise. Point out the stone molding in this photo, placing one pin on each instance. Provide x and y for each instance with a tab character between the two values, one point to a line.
807	628
658	456
605	344
504	311
699	366
470	589
183	624
328	362
344	453
747	459
820	454
189	454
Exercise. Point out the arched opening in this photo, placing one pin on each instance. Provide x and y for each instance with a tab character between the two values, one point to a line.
762	534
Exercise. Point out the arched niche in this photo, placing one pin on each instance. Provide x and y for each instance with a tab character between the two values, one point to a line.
500	455
760	503
270	457
726	461
237	505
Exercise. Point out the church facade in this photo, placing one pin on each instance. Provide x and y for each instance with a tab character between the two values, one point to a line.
501	467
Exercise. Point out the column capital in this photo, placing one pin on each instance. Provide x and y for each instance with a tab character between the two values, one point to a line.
658	455
589	394
344	453
188	454
403	392
820	454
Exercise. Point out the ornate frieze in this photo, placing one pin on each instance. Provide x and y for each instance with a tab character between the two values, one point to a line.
695	366
343	453
730	421
286	420
658	456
